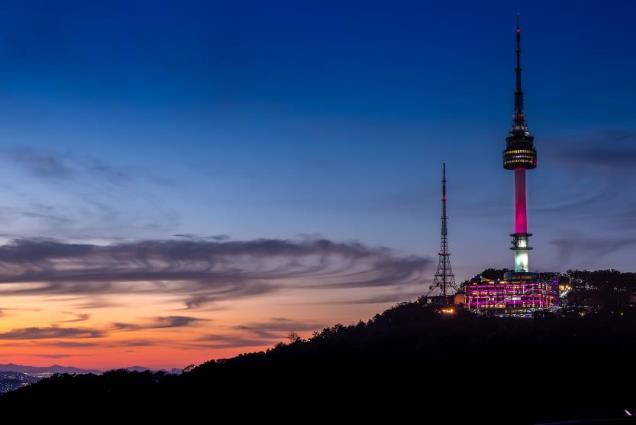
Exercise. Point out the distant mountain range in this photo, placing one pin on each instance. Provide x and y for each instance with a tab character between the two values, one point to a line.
14	376
174	371
44	370
51	370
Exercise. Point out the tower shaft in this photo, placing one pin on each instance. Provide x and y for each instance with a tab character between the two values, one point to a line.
521	217
520	236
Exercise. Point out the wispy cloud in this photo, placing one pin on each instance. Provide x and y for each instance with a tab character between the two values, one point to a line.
391	297
231	341
607	149
161	323
199	271
82	317
65	194
51	332
277	327
256	334
101	343
49	163
72	344
596	176
39	163
589	249
58	356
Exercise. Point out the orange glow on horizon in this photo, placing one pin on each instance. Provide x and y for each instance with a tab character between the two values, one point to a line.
157	331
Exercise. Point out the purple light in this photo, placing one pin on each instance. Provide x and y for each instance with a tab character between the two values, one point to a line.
521	217
512	295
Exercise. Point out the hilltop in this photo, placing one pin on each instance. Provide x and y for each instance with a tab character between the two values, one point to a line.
408	359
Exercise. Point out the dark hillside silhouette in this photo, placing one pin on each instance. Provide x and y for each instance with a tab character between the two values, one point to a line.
408	360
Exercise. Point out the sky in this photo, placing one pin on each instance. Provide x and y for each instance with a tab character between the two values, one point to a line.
187	180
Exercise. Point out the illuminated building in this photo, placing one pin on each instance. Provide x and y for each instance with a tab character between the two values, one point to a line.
521	291
512	297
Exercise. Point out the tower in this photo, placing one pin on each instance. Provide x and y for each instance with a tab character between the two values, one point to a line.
521	292
444	278
519	156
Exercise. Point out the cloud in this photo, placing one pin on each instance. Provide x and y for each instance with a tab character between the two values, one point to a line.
393	297
57	356
607	149
161	323
38	163
102	343
73	344
231	341
583	202
588	249
78	318
48	163
278	327
596	176
93	302
200	272
605	156
83	196
257	334
221	237
130	343
51	332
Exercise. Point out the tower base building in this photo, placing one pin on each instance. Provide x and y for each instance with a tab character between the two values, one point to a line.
519	294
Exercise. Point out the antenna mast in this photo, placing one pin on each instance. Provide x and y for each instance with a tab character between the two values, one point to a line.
444	278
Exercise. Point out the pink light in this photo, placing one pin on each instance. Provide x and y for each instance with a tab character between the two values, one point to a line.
512	295
521	217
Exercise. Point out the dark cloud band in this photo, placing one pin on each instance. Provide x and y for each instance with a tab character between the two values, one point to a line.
199	271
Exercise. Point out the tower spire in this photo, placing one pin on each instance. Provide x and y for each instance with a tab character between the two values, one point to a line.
519	118
444	278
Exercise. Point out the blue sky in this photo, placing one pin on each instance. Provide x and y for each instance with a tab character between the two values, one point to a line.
280	119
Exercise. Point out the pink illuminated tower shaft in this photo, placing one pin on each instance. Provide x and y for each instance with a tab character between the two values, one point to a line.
521	217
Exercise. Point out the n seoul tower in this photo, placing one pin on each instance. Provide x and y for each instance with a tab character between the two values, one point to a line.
521	292
520	156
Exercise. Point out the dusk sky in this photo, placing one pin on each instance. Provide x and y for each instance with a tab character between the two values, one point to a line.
186	180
